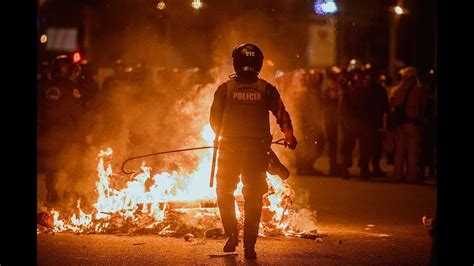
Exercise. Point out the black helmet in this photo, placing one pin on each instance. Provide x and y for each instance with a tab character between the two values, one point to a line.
247	59
60	61
355	65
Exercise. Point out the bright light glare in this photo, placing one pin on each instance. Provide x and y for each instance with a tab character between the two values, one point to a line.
398	10
329	7
43	38
196	4
323	7
161	5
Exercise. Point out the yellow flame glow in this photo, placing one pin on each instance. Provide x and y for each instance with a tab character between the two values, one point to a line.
138	200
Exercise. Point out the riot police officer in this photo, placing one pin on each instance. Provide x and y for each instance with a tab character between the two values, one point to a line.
121	73
374	108
59	108
330	104
239	115
350	113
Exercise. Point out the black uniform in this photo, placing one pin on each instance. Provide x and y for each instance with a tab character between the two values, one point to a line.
59	108
311	120
350	118
239	114
330	111
374	106
428	133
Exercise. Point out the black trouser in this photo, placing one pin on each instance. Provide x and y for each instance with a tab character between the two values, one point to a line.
248	158
371	146
311	146
365	146
331	121
428	147
353	131
350	136
377	148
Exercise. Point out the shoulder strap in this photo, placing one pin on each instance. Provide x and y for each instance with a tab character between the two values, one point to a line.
261	85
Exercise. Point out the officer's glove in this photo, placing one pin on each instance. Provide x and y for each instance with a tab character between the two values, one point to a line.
290	140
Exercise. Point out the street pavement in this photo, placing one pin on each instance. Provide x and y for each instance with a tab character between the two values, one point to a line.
373	222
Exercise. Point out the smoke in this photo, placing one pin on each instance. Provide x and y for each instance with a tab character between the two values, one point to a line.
302	217
168	106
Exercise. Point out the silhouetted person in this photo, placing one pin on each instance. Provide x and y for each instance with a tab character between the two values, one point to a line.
374	108
330	109
240	116
88	86
409	96
121	74
59	109
351	118
312	141
428	128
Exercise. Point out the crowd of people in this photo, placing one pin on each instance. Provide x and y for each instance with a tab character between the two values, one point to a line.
360	104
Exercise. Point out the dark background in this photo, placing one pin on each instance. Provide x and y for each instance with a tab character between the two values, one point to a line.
362	28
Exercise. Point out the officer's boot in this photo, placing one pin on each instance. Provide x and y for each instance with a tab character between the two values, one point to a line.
364	164
232	242
364	172
377	171
249	252
333	169
346	164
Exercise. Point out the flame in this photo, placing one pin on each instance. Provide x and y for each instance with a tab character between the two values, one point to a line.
147	206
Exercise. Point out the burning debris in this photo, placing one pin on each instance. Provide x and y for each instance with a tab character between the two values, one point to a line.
176	204
214	233
188	237
45	219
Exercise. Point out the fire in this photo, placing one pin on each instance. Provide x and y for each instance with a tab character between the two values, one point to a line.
150	201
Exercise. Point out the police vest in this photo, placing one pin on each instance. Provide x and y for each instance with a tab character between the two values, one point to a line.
246	112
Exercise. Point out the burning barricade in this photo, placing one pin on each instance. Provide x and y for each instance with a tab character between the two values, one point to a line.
173	204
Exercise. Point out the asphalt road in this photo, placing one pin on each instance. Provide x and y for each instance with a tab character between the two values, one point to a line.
344	209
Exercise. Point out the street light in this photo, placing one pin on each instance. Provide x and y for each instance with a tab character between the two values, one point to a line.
393	35
161	5
196	4
329	7
324	7
398	10
43	38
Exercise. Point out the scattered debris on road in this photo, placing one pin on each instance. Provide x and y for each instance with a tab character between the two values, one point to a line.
214	233
188	237
45	219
